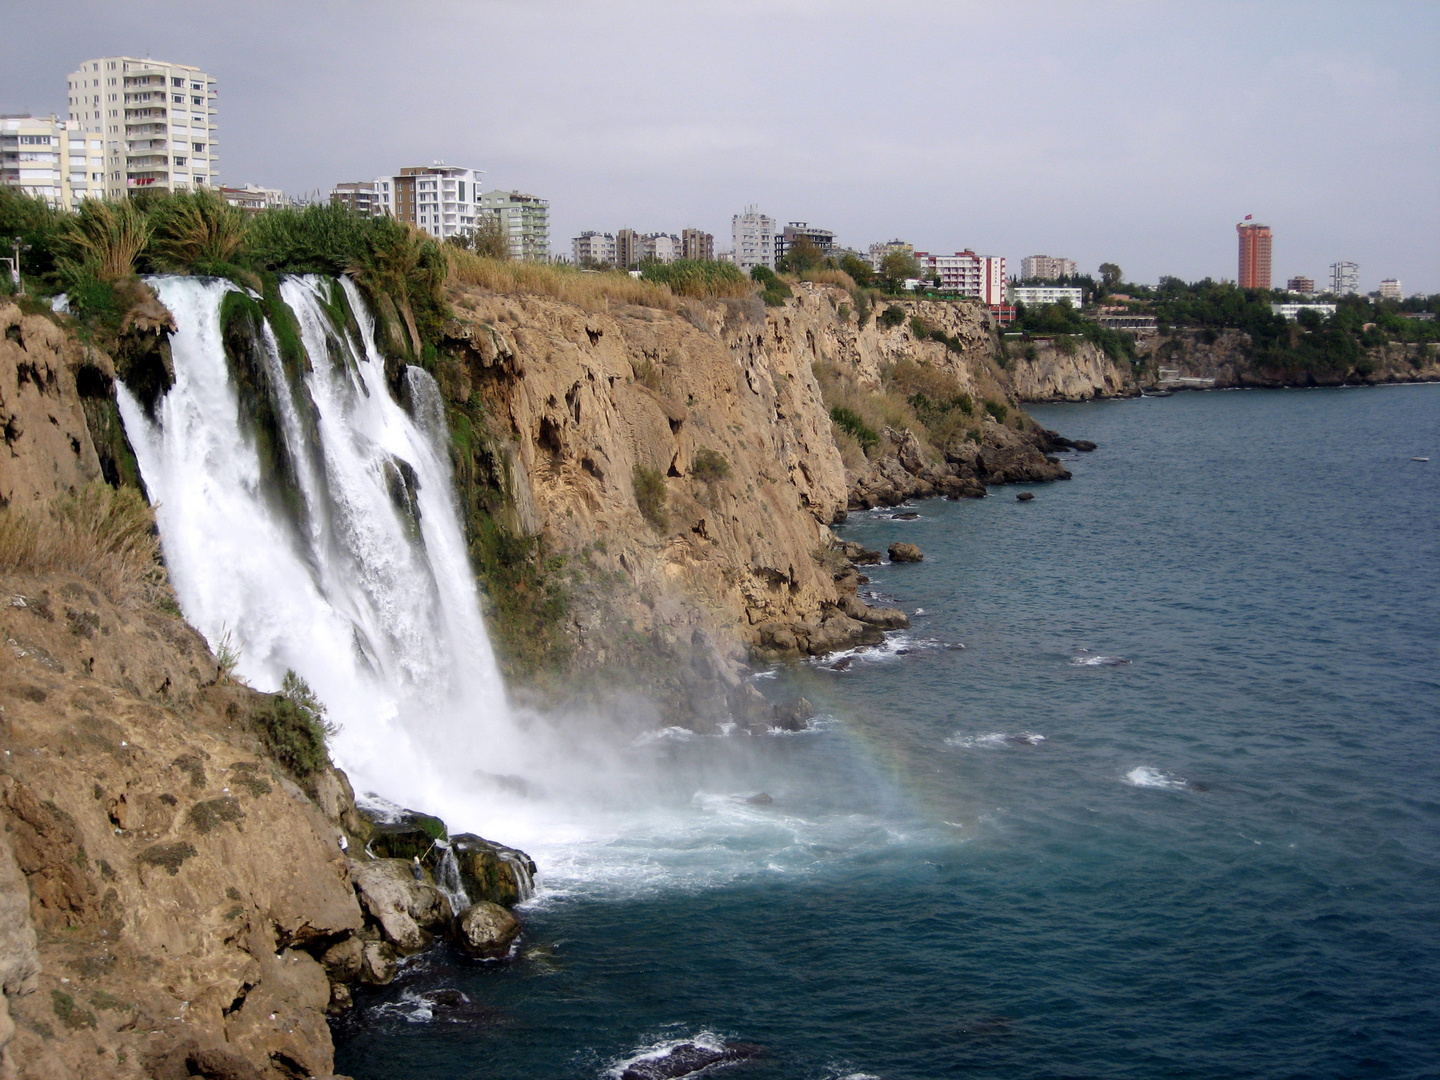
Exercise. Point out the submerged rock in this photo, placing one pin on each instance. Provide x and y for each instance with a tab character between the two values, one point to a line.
486	931
903	552
687	1059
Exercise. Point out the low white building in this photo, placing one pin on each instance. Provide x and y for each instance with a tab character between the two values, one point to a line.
52	159
1040	295
1390	289
1292	311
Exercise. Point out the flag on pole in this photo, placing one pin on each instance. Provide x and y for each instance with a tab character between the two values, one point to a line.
1249	216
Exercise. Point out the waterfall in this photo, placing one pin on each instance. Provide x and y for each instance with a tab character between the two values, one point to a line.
449	880
358	579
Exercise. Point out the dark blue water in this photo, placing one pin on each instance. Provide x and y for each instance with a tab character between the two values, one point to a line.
1221	858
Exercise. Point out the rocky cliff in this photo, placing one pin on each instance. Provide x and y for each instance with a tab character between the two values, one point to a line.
683	468
1078	372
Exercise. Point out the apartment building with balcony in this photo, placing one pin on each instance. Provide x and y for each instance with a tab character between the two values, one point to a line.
361	196
524	220
967	274
51	159
753	235
1040	295
1345	278
253	198
877	252
157	120
697	244
1046	268
439	199
592	248
795	231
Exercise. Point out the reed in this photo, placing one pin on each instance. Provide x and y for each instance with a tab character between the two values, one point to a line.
591	290
104	534
196	230
105	238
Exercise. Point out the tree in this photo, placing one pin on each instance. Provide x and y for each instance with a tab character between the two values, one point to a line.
804	254
857	268
896	268
487	238
1111	274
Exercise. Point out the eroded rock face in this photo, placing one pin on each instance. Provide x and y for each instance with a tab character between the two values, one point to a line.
486	931
182	889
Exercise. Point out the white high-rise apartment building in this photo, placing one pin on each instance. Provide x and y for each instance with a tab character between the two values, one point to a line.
1344	278
1046	268
442	200
52	159
157	120
753	235
1390	289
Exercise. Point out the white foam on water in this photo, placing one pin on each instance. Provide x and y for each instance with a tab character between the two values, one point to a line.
994	740
1146	777
1098	661
663	1048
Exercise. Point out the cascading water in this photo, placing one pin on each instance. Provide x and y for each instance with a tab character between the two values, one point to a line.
309	517
361	584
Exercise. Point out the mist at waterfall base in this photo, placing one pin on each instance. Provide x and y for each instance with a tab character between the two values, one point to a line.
1170	811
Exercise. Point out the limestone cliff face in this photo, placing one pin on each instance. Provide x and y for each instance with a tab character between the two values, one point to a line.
1079	375
1227	358
47	443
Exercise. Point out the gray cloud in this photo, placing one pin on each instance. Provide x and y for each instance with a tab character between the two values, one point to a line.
1133	132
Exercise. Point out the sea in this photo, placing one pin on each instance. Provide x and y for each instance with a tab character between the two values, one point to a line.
1149	788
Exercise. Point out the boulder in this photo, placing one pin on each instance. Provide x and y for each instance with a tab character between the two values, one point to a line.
858	554
378	963
486	930
403	906
1025	496
885	618
412	836
688	1059
493	872
903	552
794	715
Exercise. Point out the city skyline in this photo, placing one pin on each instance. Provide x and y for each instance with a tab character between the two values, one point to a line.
1118	133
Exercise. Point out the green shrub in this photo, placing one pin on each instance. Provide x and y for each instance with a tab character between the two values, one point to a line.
650	496
700	278
920	330
775	292
893	315
849	421
709	466
998	410
293	728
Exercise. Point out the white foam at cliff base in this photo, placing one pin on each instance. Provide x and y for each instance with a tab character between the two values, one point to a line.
994	739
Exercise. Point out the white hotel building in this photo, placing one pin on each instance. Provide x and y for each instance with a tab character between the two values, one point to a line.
967	274
157	121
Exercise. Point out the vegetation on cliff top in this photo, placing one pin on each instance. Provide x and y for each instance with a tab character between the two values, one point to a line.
105	535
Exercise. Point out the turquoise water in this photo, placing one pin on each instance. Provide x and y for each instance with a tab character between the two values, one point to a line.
1016	859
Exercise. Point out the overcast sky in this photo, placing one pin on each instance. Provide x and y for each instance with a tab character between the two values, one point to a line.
1132	132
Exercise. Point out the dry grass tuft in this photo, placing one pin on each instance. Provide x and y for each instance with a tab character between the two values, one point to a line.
105	535
591	290
107	237
827	276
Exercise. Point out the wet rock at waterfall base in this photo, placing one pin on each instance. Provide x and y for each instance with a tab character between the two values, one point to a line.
486	931
412	836
688	1059
406	910
903	552
794	715
490	871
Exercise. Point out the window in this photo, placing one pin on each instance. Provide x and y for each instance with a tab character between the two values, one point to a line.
197	101
178	99
177	82
198	147
179	159
196	86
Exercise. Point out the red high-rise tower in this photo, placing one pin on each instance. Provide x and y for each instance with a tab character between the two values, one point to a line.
1254	254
